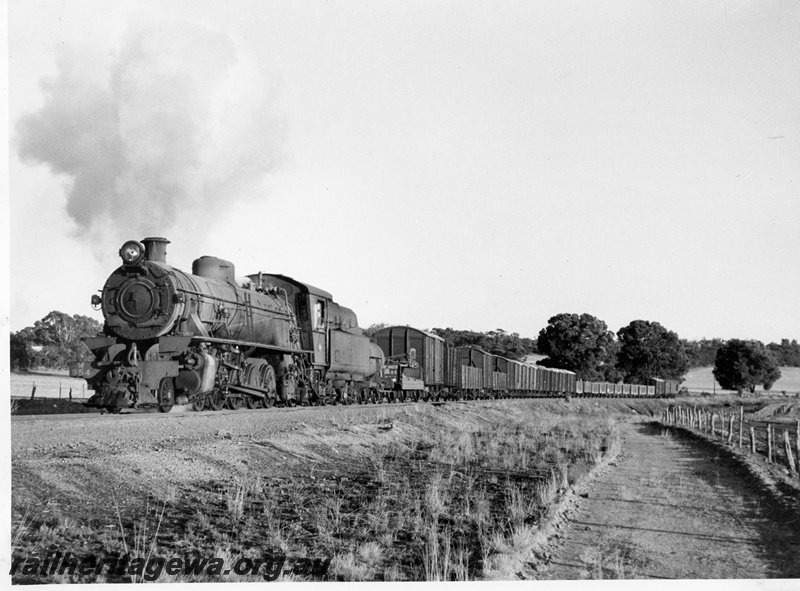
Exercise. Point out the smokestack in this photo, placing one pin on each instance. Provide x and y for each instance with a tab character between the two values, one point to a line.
155	249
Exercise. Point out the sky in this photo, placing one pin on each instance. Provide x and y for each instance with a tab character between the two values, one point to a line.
474	165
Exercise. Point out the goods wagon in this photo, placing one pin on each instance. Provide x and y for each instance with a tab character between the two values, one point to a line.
415	359
499	375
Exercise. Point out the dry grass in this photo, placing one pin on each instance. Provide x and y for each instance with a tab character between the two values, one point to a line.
462	501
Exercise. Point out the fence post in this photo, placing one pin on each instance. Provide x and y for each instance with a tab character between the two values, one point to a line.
797	443
713	427
752	440
741	420
70	393
59	390
769	443
787	446
730	429
33	391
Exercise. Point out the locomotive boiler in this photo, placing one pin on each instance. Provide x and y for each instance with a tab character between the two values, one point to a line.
171	337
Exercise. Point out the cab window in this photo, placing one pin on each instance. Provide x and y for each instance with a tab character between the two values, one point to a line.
319	315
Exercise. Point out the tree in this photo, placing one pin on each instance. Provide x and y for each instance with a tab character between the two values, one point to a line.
742	365
21	354
582	344
787	353
374	328
496	342
648	350
703	352
59	339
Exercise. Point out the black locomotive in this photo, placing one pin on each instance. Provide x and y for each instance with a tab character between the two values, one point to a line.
172	337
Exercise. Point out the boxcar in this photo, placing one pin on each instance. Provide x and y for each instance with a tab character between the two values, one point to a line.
499	374
663	388
396	342
469	370
570	381
516	376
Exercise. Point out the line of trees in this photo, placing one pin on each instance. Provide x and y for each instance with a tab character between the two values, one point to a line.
703	353
496	342
643	350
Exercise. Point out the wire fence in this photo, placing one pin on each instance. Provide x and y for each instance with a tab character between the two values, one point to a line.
718	391
68	389
769	438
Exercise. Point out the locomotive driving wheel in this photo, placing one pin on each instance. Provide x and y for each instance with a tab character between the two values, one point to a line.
199	404
215	400
261	375
252	402
166	395
234	403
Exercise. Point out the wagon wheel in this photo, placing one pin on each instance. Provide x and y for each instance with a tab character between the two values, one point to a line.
166	395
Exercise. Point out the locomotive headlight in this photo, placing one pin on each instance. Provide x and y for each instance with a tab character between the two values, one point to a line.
132	252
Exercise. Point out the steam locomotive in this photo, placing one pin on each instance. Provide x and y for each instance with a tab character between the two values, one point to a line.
172	337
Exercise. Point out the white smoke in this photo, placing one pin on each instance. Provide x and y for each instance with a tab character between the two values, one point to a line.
178	125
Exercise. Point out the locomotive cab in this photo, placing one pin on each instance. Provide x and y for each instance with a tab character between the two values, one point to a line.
312	307
340	349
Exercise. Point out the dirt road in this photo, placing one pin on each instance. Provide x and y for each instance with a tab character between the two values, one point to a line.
669	509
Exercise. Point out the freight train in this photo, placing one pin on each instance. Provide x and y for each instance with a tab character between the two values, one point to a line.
200	338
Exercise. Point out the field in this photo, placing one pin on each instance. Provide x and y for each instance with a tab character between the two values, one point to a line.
48	385
396	492
402	492
701	379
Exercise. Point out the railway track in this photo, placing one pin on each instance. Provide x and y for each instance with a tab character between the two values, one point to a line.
181	411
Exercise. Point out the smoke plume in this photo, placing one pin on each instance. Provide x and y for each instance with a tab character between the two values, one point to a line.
168	133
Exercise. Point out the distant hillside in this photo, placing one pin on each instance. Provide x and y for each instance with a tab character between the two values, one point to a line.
702	379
